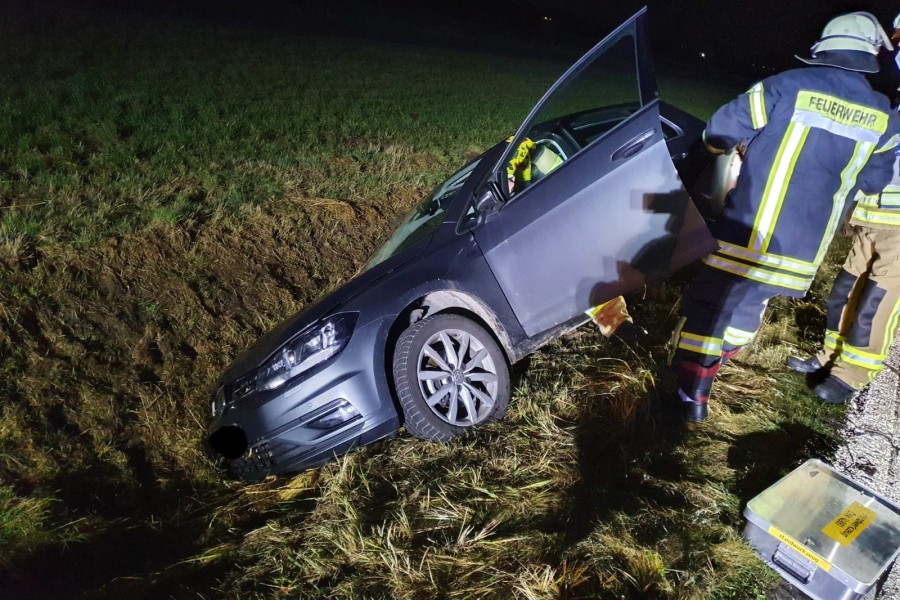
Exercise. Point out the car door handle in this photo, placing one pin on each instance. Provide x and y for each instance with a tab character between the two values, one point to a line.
633	146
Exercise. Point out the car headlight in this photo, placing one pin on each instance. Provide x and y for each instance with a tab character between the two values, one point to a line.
313	347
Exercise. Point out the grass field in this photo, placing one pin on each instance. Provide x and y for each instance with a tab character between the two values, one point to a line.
170	192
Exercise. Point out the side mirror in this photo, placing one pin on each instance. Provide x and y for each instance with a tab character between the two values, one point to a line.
488	199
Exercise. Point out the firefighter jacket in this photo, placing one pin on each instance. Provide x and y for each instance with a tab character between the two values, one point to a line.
813	137
881	210
531	162
519	166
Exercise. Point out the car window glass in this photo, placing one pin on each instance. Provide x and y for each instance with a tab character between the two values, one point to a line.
589	103
424	218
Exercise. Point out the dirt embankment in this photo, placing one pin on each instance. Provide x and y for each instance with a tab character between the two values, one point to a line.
108	356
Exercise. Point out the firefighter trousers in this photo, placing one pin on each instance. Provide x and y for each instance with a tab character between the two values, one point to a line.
864	307
721	314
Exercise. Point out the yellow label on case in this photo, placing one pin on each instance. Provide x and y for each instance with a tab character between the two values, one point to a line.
845	527
803	550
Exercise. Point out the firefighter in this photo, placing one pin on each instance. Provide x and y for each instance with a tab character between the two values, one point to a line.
812	137
530	163
864	304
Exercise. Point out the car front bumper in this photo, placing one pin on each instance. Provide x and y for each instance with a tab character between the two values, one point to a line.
281	431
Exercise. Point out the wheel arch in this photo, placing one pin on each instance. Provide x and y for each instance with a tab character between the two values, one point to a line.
463	304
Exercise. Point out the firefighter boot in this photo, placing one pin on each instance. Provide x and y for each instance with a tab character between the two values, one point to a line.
810	364
692	410
698	379
834	391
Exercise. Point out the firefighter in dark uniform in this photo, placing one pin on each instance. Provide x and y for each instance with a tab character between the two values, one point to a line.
811	137
864	305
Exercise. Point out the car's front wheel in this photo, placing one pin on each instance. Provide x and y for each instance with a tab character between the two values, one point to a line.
450	376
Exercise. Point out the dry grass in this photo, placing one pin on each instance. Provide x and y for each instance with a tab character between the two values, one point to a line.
143	245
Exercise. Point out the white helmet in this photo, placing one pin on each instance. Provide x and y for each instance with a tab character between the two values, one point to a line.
859	31
850	42
896	38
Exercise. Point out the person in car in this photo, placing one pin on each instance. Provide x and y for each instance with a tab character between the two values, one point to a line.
813	136
531	162
864	305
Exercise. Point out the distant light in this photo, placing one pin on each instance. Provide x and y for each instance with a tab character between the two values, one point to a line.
703	55
547	18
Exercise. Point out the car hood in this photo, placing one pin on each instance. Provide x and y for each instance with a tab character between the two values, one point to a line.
264	347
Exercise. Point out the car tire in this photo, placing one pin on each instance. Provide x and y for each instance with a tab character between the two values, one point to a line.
450	376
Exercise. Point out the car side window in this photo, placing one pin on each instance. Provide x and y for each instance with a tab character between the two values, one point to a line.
590	102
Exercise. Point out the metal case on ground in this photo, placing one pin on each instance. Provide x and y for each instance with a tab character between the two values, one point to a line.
824	533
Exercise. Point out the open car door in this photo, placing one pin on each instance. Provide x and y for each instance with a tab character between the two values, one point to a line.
598	210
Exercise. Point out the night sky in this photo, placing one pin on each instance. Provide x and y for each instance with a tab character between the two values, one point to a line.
746	39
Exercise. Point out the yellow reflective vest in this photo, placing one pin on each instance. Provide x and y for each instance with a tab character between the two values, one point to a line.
881	210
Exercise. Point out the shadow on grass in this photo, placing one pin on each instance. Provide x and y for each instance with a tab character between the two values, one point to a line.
122	561
762	457
649	459
810	321
142	545
623	463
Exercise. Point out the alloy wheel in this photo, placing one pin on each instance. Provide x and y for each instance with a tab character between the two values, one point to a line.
457	377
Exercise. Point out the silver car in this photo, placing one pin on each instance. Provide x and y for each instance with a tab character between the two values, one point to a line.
477	276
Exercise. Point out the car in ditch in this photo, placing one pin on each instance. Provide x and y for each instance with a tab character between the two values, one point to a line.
480	274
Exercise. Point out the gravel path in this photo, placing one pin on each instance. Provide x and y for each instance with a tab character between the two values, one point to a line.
871	455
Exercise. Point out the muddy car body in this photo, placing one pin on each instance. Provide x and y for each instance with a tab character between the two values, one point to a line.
476	277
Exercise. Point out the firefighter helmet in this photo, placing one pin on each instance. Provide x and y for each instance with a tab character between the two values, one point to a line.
851	42
895	37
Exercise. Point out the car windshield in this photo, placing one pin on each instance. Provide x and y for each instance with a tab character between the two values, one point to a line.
424	218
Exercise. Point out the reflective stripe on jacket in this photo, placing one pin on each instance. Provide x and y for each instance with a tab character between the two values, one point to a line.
881	210
813	137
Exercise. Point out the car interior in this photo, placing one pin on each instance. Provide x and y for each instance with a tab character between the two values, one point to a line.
556	141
